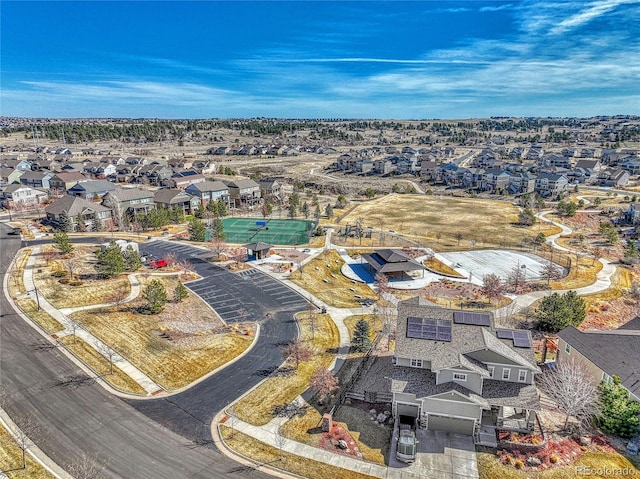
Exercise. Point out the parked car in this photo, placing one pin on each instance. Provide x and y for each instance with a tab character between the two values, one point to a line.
159	263
407	443
366	302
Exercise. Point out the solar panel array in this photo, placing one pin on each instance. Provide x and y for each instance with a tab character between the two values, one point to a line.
426	328
468	317
521	339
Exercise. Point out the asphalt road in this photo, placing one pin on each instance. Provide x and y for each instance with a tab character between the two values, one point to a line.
264	300
76	416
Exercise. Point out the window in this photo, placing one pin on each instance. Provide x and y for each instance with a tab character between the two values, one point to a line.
416	363
606	378
491	370
506	374
459	376
567	348
522	375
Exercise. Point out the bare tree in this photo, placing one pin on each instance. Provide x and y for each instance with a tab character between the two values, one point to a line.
312	317
550	272
111	202
217	246
382	284
71	264
515	278
117	295
186	266
279	440
86	467
575	392
26	430
492	287
324	383
108	353
387	312
74	328
171	258
297	351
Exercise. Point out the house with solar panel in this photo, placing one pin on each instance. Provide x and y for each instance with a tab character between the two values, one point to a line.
458	371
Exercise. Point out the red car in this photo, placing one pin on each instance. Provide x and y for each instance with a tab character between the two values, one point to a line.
159	263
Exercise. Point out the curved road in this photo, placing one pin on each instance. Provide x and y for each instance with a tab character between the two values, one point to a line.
79	417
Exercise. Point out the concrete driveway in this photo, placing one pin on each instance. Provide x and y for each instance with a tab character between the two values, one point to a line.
441	455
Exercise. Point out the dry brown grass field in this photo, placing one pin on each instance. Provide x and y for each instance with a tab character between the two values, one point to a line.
265	454
119	379
11	460
44	319
15	281
91	291
175	347
435	221
257	406
322	278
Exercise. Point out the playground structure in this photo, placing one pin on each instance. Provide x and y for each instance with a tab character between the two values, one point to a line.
273	231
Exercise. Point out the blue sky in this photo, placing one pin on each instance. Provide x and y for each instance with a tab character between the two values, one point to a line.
320	59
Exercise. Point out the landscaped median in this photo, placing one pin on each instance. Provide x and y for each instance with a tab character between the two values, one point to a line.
11	460
174	348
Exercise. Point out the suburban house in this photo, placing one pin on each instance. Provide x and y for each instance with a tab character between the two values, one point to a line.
551	184
66	179
20	196
632	214
209	191
129	200
90	190
183	179
78	210
614	177
243	192
271	187
605	354
36	179
170	198
9	175
458	371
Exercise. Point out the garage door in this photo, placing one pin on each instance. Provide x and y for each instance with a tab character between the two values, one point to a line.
450	424
407	410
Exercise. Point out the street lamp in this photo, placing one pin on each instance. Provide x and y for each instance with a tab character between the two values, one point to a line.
35	290
524	273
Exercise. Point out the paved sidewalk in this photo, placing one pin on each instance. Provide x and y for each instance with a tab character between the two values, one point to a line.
69	325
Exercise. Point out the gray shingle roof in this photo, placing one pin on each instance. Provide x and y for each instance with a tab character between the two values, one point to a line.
95	186
616	352
127	194
209	186
73	206
391	261
170	196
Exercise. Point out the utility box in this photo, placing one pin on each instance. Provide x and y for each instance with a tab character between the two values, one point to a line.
327	422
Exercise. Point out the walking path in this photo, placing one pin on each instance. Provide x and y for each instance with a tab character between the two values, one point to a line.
70	326
268	433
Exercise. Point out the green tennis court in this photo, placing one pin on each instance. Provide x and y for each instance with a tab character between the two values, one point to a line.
273	231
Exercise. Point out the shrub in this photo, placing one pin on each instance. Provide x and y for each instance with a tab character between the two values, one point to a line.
64	280
519	464
75	282
553	459
59	274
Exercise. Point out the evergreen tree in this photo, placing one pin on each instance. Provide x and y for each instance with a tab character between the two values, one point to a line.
631	251
196	230
62	243
527	217
110	261
180	292
199	211
217	229
619	413
305	210
361	340
316	214
212	207
155	295
328	210
222	208
131	258
64	223
80	225
557	311
96	224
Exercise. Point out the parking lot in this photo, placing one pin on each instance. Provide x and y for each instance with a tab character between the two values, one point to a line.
247	295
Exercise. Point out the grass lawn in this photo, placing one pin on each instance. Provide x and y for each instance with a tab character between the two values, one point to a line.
91	291
490	467
175	347
437	266
257	406
435	221
119	379
11	458
329	284
579	277
44	319
265	454
372	440
15	282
